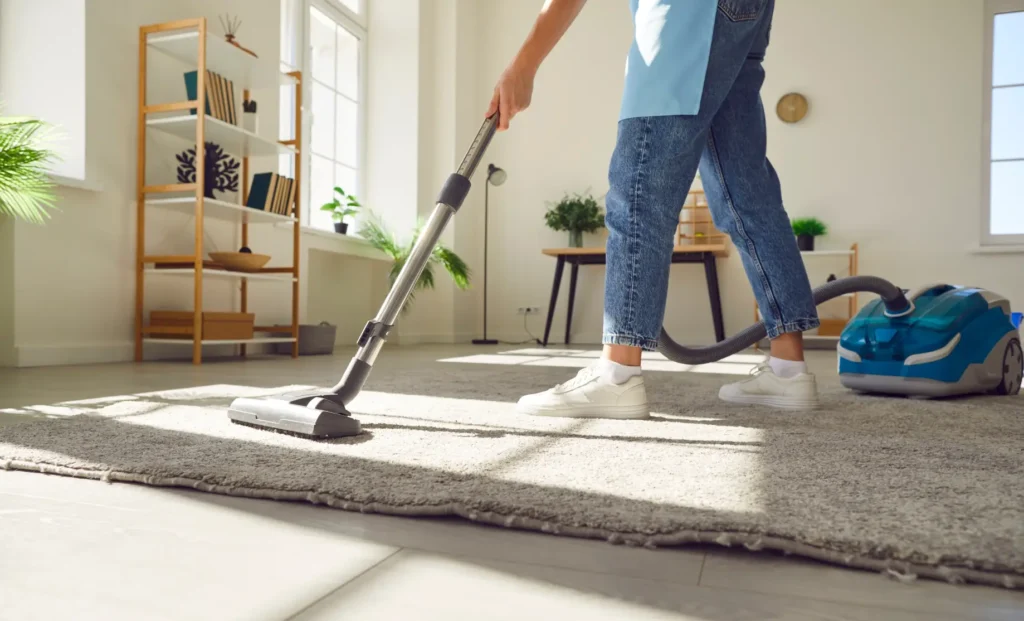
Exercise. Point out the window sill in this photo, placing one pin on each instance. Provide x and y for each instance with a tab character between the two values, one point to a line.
996	249
78	184
329	241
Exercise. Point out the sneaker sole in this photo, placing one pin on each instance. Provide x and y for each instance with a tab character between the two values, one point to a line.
625	412
785	403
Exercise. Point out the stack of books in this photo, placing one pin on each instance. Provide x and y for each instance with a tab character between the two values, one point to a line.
272	193
220	95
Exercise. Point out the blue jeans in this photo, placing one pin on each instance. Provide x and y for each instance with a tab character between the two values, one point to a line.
653	167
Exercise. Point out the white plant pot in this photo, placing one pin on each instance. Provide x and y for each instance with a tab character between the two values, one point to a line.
249	122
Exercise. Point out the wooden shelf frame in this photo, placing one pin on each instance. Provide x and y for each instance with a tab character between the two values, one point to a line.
195	266
696	228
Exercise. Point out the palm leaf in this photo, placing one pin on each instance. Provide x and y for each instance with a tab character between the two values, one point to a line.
426	280
380	239
26	191
454	264
374	232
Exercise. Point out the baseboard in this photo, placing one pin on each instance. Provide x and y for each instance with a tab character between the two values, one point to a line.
79	353
516	339
422	339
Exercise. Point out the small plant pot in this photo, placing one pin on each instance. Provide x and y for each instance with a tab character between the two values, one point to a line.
249	123
805	242
575	239
341	227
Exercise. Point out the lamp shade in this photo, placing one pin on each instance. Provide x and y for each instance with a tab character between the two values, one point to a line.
495	175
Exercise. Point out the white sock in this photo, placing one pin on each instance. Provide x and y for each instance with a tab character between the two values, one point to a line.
787	368
617	373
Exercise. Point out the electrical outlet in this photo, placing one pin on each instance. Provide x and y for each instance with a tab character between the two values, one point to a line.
528	310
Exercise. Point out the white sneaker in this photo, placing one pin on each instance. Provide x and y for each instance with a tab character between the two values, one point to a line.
589	395
766	388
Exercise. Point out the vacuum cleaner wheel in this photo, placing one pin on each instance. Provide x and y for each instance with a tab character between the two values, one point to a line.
1013	369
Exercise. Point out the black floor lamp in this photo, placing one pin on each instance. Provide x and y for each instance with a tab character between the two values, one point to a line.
495	176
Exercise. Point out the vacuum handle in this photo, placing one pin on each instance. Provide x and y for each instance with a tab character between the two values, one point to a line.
450	200
479	146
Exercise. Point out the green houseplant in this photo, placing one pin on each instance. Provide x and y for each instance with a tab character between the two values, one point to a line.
380	238
26	191
342	206
806	229
578	214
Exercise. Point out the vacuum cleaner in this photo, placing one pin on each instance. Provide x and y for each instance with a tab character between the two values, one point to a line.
937	341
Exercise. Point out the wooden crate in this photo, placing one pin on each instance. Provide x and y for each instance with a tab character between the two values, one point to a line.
831	327
216	326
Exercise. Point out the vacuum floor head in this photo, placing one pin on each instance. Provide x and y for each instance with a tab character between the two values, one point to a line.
296	416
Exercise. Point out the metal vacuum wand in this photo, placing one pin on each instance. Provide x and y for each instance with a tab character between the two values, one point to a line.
449	201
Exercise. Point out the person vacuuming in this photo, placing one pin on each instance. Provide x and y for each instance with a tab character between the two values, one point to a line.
691	99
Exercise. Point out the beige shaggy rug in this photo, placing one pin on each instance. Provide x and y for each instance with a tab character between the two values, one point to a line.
913	488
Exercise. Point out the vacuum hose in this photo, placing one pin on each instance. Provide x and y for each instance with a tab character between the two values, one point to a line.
892	296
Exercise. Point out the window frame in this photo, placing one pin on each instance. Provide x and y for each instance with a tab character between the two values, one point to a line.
355	24
992	9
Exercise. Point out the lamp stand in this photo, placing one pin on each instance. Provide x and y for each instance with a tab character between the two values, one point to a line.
485	340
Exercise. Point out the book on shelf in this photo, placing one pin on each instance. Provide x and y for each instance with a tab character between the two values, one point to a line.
272	193
220	95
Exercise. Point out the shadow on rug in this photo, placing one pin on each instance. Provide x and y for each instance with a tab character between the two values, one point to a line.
913	488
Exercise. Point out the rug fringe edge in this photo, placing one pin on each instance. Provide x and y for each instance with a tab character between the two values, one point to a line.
902	571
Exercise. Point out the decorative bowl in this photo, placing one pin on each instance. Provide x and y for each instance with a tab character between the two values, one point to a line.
240	261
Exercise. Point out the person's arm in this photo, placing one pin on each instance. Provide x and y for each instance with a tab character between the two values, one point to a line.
514	90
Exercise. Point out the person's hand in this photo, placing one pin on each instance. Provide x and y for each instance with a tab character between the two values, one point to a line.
512	93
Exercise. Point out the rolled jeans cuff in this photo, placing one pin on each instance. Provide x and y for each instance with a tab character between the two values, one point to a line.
800	325
630	340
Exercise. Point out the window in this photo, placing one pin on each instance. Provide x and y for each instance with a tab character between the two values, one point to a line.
1003	175
333	59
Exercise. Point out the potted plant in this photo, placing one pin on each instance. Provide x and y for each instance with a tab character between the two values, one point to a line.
806	229
381	239
577	214
342	206
26	192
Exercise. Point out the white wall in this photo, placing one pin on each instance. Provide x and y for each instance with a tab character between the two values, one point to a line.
392	117
471	97
888	156
412	137
48	84
6	285
890	152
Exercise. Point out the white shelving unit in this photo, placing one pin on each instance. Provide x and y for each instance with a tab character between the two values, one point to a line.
187	123
256	341
233	138
219	210
246	71
827	253
219	273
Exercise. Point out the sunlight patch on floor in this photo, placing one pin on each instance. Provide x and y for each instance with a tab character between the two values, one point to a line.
222	391
739	364
507	359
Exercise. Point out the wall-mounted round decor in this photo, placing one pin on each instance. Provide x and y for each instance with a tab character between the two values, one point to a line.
792	107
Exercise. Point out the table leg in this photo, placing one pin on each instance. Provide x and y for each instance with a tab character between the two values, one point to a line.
572	299
559	267
711	275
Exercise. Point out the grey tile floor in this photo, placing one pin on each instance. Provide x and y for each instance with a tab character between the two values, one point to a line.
75	549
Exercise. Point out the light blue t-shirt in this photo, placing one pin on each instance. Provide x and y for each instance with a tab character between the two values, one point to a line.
669	57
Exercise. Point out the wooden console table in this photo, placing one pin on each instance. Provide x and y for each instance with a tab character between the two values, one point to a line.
695	253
